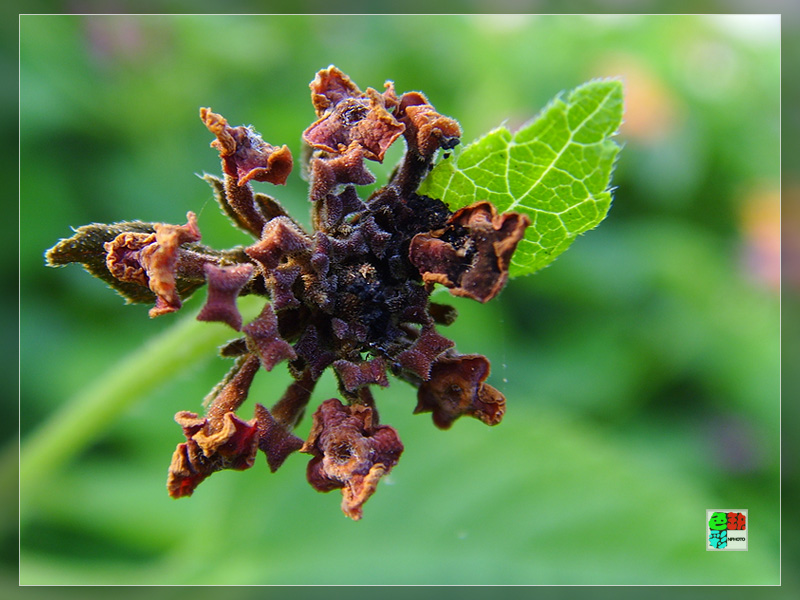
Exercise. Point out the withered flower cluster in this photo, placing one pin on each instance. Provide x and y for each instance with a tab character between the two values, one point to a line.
353	294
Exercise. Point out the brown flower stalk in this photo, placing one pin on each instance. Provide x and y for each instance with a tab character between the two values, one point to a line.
353	294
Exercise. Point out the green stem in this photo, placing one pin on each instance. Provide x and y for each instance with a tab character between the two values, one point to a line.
82	419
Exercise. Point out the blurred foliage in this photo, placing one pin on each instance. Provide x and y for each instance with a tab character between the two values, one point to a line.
641	368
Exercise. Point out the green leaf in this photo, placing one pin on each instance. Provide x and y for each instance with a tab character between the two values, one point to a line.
556	169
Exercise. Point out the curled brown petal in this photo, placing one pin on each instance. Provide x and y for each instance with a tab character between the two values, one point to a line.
349	452
244	154
456	387
220	440
335	130
426	129
390	99
347	115
364	121
123	256
160	260
352	125
234	446
331	86
472	253
380	129
152	260
232	440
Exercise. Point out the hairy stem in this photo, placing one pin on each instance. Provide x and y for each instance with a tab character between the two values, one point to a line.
288	410
241	200
235	391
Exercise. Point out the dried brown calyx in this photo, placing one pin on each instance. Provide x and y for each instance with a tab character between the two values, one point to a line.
350	451
152	260
456	388
244	154
352	295
471	254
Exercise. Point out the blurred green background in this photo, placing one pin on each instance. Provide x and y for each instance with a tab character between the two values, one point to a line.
641	368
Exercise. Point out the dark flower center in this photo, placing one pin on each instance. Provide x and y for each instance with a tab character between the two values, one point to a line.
353	114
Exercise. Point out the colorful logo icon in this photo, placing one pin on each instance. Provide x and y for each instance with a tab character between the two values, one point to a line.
726	529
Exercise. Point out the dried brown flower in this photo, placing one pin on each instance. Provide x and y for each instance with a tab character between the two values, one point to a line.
353	294
244	154
352	125
350	118
472	253
427	129
456	387
350	452
219	441
152	260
